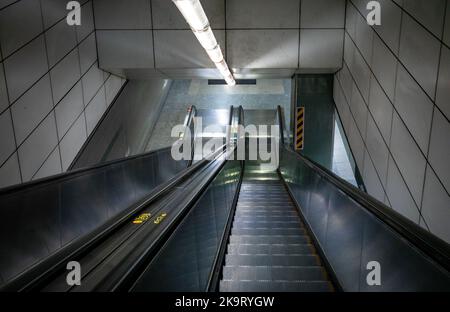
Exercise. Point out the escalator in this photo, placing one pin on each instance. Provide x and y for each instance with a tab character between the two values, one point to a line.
223	224
269	248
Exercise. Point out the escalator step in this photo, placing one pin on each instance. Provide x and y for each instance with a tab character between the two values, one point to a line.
267	224
269	239
275	286
267	218
274	273
267	231
282	260
270	249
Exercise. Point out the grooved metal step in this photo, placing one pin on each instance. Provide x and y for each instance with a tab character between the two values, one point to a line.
270	249
270	239
275	286
274	273
284	260
267	231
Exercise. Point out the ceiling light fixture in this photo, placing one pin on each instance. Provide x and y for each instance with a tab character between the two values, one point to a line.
195	16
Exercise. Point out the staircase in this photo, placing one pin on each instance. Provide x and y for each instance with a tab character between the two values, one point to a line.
269	248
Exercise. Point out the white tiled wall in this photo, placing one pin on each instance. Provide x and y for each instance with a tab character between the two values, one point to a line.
52	93
255	35
393	98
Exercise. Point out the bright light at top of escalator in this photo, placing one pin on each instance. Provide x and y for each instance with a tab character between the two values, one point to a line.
195	16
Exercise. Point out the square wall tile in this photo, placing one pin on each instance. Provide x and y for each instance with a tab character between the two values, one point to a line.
19	23
65	75
419	52
322	14
346	82
112	87
439	154
262	48
408	157
263	14
88	53
31	108
166	15
4	102
356	143
60	39
95	110
381	109
447	27
364	38
321	48
92	81
431	14
68	109
350	20
72	142
53	11
50	167
436	206
377	149
414	107
349	49
7	141
361	74
87	25
371	180
181	49
443	88
119	14
10	172
398	194
359	110
4	3
384	66
114	52
389	30
38	146
25	67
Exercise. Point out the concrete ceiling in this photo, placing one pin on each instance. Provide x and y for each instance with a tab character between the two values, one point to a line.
260	38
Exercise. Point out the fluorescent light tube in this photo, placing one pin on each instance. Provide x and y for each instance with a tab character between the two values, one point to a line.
195	16
206	38
193	13
215	54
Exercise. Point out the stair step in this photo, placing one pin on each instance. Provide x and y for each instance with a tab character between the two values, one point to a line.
268	213
266	218
270	249
274	273
269	239
281	260
275	286
254	224
267	231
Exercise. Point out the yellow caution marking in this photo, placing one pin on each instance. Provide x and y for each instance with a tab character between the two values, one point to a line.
142	218
160	218
299	128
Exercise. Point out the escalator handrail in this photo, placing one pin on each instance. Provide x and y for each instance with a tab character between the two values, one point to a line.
35	274
64	176
437	249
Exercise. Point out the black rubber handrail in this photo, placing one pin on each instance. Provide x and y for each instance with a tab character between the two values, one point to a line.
434	247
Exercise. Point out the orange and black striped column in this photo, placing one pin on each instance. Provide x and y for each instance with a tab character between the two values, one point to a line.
299	128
